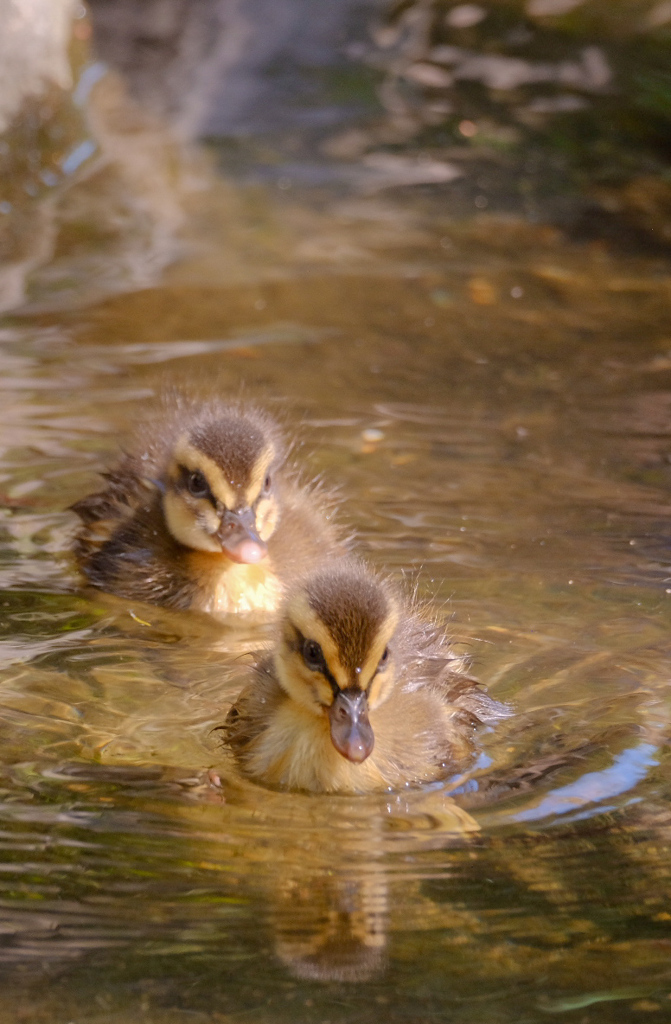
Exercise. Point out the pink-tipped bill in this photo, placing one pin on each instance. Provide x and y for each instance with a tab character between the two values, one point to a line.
351	732
239	539
247	551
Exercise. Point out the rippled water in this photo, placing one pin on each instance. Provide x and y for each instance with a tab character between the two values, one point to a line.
521	386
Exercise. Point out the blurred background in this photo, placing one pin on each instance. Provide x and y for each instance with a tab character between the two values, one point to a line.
548	112
435	239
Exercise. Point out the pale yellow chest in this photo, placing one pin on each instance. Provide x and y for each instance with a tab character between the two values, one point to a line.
229	588
296	752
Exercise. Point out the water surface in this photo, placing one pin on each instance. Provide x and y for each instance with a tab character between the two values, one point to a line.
520	382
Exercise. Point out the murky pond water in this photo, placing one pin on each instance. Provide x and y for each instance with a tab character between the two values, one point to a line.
519	382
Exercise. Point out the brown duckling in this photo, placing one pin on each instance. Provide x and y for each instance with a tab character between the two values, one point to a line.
360	694
203	514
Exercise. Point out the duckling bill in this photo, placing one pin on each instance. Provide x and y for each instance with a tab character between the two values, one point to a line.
202	513
360	694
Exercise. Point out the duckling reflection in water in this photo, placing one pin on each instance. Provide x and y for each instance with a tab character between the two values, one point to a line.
203	514
332	925
360	694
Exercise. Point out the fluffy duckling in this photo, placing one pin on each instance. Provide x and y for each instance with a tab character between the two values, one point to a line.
204	515
359	695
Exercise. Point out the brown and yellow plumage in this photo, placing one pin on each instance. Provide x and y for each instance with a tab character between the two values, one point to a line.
203	514
360	694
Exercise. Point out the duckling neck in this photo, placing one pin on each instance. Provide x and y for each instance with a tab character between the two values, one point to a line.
232	588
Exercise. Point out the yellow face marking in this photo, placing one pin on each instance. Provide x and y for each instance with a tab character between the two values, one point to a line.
258	475
267	514
306	687
304	618
193	521
186	528
309	687
380	687
377	649
194	460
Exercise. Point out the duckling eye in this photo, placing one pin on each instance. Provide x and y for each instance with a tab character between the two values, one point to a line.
313	656
266	483
197	485
384	659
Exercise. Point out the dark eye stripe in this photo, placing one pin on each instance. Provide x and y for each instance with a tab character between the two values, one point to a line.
325	671
185	478
266	489
382	664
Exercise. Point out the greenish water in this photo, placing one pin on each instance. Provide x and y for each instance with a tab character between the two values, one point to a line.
520	377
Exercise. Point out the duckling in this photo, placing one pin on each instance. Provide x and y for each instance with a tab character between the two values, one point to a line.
203	514
360	694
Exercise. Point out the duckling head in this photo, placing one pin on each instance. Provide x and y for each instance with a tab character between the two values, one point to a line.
336	654
218	491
